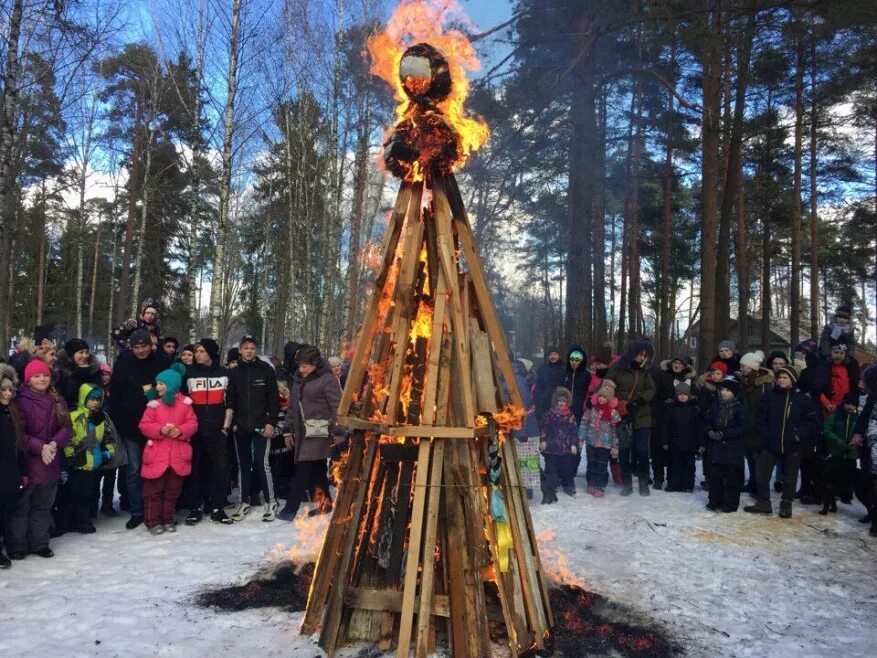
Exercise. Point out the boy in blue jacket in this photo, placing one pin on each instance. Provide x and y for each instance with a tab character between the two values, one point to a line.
787	418
725	427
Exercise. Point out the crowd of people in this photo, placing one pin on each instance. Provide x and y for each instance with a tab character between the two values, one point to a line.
751	420
175	430
179	432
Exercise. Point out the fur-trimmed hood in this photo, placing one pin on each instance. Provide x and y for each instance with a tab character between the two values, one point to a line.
625	361
701	382
688	373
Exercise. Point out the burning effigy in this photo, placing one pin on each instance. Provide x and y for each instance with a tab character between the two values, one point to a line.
431	542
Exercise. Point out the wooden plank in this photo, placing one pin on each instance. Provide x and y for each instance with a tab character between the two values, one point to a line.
325	570
409	588
379	600
440	298
331	627
482	368
431	431
444	232
536	599
521	504
359	364
405	306
428	568
482	292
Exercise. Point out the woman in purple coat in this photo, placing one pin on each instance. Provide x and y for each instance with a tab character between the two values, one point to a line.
45	422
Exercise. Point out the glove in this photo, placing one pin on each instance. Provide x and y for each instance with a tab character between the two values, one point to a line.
106	455
714	435
857	441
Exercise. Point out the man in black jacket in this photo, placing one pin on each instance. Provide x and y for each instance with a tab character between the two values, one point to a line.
551	375
254	398
133	377
207	384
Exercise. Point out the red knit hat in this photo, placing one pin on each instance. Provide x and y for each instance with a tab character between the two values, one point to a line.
719	365
36	367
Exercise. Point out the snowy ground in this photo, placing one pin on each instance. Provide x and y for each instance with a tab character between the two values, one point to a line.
723	585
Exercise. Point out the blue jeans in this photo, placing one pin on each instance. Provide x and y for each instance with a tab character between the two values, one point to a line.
135	482
634	460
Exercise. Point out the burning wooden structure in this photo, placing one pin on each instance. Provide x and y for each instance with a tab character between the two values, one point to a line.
431	538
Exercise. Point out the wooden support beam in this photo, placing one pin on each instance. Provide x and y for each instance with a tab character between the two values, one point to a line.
412	431
404	306
428	565
380	600
409	588
359	365
445	243
329	634
482	292
325	569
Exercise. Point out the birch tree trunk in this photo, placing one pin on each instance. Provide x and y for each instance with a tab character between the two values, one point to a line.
191	264
144	213
795	285
7	136
219	257
94	266
41	267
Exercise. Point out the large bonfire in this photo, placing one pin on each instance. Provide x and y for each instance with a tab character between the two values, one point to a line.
430	540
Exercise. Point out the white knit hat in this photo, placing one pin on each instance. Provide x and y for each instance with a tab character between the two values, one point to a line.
752	359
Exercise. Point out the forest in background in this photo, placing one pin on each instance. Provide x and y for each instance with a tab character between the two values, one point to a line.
652	164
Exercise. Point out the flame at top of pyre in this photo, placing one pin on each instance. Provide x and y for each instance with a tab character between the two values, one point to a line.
426	65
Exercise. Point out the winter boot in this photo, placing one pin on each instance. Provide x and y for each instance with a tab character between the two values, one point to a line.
194	517
615	469
219	516
156	530
760	507
828	506
785	509
659	484
5	562
644	487
627	486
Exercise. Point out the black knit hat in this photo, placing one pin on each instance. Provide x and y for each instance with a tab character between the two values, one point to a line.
73	345
843	311
139	337
211	347
233	355
852	398
790	371
731	383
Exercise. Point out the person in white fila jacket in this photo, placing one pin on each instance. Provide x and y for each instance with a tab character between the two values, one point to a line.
206	383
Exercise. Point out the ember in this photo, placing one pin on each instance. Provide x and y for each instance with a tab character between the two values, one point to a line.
589	624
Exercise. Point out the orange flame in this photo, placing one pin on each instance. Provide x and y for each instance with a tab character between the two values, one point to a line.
416	21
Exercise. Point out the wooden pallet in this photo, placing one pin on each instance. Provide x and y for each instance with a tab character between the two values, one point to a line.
411	554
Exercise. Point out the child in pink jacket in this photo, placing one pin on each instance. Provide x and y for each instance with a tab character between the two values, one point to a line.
168	423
